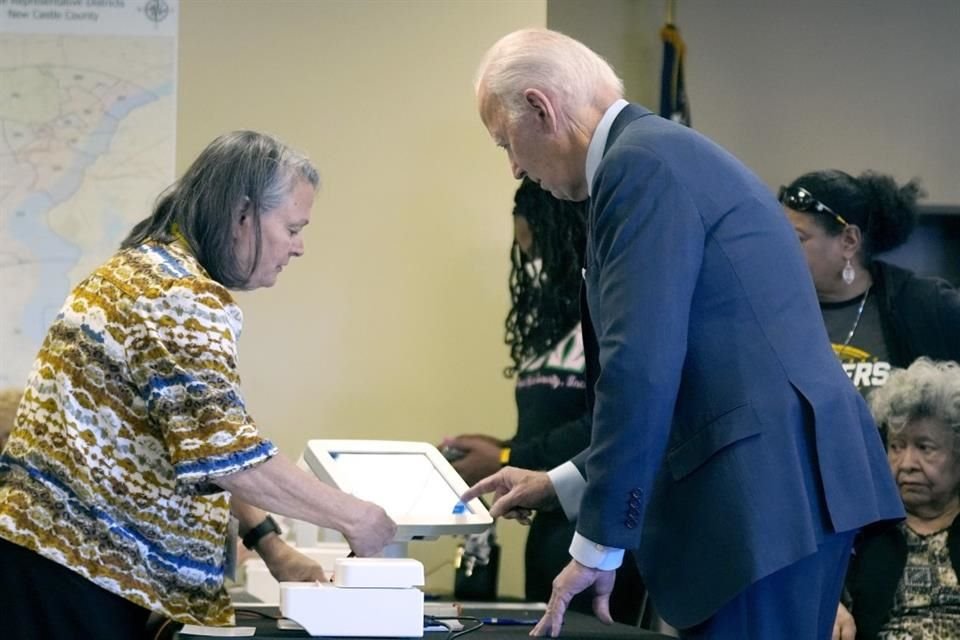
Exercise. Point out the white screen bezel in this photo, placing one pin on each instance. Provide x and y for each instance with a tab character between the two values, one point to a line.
319	457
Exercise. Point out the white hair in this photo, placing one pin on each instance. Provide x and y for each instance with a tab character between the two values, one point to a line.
925	389
549	61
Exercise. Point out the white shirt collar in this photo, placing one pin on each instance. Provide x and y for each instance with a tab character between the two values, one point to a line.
599	141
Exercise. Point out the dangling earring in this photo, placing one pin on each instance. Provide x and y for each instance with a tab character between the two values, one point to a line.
848	274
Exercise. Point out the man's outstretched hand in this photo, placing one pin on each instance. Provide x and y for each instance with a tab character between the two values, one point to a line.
517	492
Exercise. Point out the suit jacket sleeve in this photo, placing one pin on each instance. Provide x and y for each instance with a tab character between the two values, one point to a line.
644	256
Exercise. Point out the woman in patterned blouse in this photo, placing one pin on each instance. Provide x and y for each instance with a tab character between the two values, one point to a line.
902	581
132	435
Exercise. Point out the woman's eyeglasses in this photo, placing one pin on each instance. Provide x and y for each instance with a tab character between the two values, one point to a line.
799	199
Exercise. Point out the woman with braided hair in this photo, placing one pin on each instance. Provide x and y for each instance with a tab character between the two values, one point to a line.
546	350
546	259
878	315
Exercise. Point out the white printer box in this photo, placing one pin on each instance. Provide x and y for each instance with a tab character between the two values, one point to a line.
373	597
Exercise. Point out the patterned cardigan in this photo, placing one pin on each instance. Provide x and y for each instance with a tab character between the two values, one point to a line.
131	412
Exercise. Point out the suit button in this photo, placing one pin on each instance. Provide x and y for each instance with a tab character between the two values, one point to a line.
636	493
633	513
630	523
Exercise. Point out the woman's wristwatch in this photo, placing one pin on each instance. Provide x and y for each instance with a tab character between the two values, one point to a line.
252	537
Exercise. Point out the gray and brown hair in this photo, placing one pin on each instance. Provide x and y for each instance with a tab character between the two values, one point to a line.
239	171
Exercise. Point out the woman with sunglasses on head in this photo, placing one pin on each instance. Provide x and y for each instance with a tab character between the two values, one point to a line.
878	315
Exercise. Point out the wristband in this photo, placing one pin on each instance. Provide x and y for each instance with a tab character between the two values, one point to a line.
252	537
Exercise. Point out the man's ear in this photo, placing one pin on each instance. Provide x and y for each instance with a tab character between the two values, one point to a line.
543	109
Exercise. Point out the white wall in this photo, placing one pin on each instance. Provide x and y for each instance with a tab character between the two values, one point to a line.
791	86
391	325
624	32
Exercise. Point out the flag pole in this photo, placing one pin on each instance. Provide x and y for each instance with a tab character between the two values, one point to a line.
673	93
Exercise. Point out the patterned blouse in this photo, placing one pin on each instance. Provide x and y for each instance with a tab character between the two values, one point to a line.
927	602
132	410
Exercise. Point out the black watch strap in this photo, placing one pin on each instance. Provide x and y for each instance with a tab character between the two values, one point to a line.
252	537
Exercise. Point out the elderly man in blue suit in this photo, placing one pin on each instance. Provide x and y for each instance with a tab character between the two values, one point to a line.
728	446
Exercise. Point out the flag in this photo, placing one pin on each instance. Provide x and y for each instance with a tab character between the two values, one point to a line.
673	90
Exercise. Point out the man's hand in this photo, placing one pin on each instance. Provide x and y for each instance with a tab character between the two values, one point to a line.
572	580
516	492
481	456
370	529
286	564
843	626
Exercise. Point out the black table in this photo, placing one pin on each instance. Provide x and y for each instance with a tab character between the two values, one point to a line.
576	625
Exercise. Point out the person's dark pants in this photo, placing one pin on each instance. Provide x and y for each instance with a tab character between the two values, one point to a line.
799	601
42	600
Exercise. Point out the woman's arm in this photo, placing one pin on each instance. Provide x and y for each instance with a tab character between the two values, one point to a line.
280	487
284	562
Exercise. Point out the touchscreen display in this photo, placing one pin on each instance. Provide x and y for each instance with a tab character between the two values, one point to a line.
405	484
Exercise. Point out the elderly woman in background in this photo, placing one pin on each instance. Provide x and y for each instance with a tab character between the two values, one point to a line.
878	315
903	579
132	435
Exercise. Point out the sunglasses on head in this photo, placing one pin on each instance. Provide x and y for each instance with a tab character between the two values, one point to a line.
799	199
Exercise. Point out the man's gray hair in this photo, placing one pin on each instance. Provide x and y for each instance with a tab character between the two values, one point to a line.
925	389
549	61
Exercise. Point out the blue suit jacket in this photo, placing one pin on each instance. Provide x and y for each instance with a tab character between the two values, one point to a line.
727	440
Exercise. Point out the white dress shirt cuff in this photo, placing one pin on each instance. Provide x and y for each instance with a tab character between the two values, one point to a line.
593	555
569	485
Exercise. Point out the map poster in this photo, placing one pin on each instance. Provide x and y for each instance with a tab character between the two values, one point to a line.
87	134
